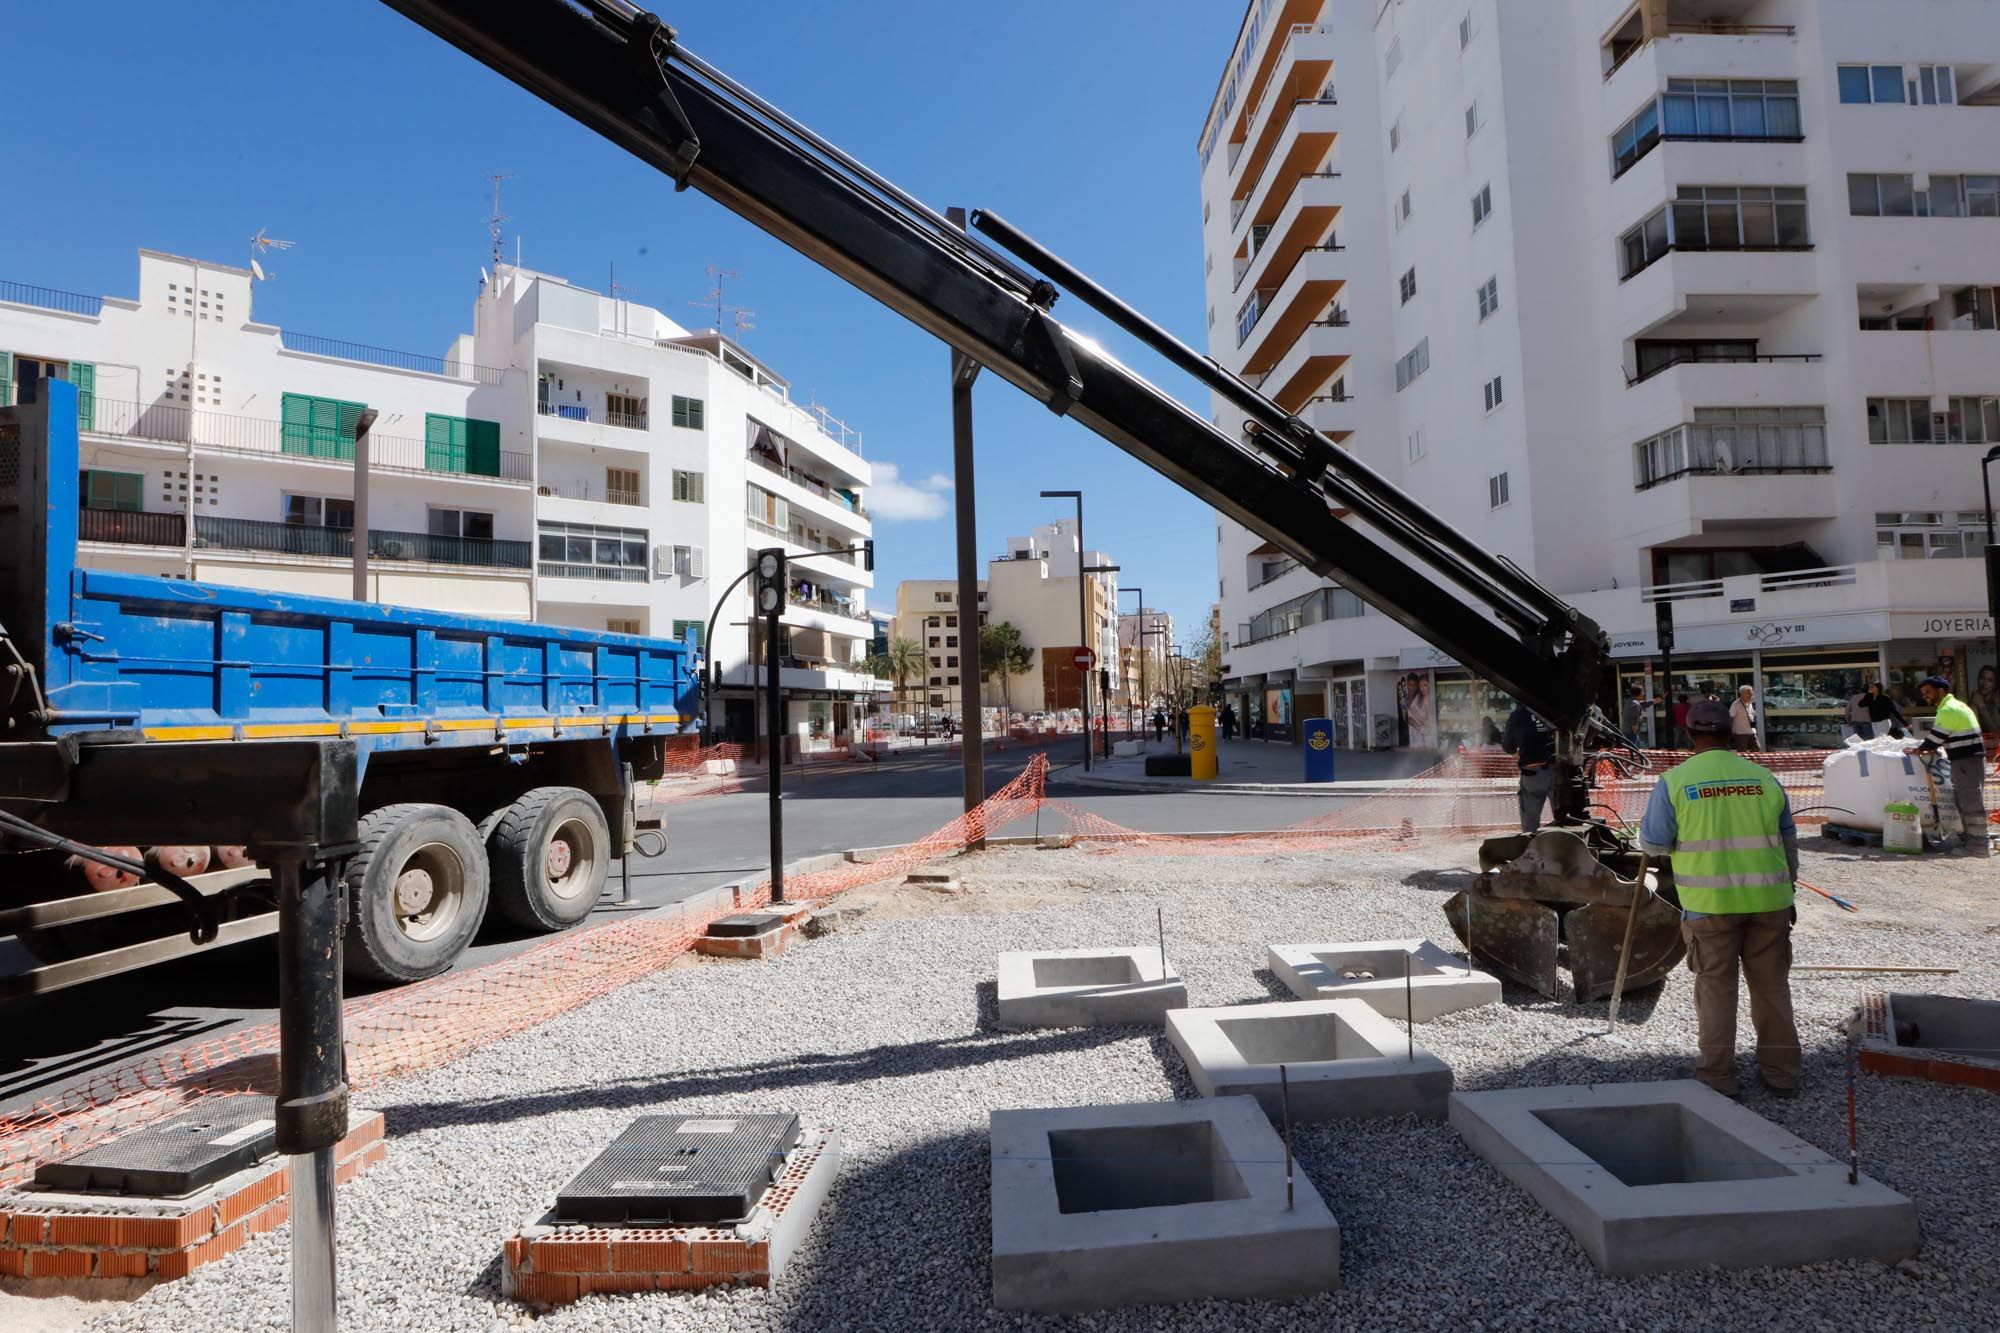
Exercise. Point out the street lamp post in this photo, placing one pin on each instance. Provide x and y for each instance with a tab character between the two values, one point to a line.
1083	571
363	424
1140	637
1082	612
1992	550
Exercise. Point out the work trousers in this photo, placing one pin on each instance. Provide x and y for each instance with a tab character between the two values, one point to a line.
1744	740
1967	774
1762	943
1536	784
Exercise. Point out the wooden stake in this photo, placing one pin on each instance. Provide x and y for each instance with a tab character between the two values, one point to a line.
1872	967
1285	1111
1625	951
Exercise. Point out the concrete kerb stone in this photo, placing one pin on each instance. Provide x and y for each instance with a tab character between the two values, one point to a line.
1372	970
1097	1207
1651	1177
1341	1059
1066	988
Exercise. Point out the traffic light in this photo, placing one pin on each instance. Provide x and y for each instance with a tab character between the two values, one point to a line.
868	555
770	582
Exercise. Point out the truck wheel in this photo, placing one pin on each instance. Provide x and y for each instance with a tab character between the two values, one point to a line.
550	852
416	892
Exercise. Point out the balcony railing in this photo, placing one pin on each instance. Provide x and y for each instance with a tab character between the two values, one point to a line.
590	491
1723	359
1825	576
314	345
813	484
1745	450
1725	28
1293	616
48	298
602	416
249	534
170	423
830	606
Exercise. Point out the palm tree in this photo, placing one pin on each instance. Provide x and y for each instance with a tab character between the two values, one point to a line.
904	659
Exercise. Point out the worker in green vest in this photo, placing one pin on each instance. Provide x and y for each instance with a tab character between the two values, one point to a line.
1955	730
1728	826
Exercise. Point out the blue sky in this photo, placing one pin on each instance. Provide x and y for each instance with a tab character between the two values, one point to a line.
345	128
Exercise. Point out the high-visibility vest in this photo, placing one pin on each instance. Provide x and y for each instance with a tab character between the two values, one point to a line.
1728	855
1956	729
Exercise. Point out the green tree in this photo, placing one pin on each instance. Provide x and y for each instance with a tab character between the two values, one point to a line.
1002	654
904	659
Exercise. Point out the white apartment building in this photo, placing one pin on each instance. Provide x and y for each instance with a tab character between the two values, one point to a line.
1682	302
573	459
1145	642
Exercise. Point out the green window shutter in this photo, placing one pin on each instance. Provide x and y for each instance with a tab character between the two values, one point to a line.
295	424
437	443
6	379
688	412
83	374
114	490
695	414
482	448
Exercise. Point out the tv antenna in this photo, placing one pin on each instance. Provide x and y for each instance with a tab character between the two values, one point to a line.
496	217
262	244
739	318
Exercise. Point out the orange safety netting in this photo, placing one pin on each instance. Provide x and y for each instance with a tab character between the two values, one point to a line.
434	1022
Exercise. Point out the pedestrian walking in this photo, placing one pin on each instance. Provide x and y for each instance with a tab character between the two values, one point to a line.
1883	714
1532	742
1955	730
1635	715
1743	719
1228	722
1728	826
1680	722
1159	725
1859	720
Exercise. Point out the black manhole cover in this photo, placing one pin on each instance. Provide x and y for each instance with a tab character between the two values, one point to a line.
177	1156
745	923
681	1168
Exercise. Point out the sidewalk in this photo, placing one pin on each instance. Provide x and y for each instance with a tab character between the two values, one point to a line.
1265	768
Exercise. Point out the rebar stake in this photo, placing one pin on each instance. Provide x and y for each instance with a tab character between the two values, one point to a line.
1409	1011
1853	1137
1285	1111
1163	942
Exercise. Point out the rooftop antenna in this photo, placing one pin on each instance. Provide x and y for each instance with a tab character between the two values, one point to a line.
619	295
496	217
739	318
261	244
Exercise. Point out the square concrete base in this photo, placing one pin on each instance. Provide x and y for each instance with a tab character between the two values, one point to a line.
1656	1176
1943	1038
1372	970
1097	1207
1340	1058
1073	988
551	1264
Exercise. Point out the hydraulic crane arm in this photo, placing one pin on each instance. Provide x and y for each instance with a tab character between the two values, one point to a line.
618	70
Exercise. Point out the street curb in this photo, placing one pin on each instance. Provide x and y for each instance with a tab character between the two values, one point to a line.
1322	790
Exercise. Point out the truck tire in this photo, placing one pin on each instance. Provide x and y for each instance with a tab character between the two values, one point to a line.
550	852
416	892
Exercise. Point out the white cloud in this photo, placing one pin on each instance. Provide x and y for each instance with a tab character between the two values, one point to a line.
896	500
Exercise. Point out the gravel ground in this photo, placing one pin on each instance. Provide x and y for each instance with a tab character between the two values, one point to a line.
885	1029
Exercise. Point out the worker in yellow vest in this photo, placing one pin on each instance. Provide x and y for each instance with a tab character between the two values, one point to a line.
1728	826
1955	730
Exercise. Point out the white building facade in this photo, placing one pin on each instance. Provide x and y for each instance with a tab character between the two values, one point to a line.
1684	302
573	459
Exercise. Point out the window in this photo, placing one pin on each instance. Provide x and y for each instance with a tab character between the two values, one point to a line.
474	523
1657	354
933	642
1393	60
1489	297
621	625
1396	134
621	485
1933	86
1928	536
316	511
585	551
770	511
1719	218
1416	444
1465	32
624	409
113	490
951	622
943	598
689	413
1872	83
951	662
1408	284
1482	205
1973	308
1896	196
689	562
324	427
937	663
1414	363
1492	389
1971	420
1403	209
1496	491
951	641
691	487
1735	440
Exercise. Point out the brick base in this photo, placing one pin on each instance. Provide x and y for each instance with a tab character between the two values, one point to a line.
1879	1054
767	944
49	1233
549	1264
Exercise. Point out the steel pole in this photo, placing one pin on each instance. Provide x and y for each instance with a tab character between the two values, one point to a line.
774	725
363	427
312	1092
964	370
1083	626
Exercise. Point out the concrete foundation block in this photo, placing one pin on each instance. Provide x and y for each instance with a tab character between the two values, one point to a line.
1340	1058
1098	1207
1943	1038
1372	971
1126	749
1650	1177
1073	988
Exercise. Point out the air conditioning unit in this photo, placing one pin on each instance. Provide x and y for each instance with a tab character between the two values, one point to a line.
394	550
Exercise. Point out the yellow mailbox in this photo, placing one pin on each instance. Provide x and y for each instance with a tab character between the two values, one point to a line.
1201	743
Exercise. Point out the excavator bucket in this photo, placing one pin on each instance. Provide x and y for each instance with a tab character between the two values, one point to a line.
1559	898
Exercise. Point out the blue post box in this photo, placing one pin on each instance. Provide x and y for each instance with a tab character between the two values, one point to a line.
1319	749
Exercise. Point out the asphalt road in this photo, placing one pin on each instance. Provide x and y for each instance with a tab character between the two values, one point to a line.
51	1042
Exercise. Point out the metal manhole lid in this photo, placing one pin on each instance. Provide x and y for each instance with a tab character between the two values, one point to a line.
681	1168
177	1156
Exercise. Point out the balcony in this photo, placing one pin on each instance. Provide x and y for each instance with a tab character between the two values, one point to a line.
213	533
829	499
602	416
1693	356
1687	19
1320	352
1305	140
820	604
1305	68
1276	315
223	433
337	349
1299	221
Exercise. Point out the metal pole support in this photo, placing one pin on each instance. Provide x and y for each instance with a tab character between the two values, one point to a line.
312	1089
774	726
